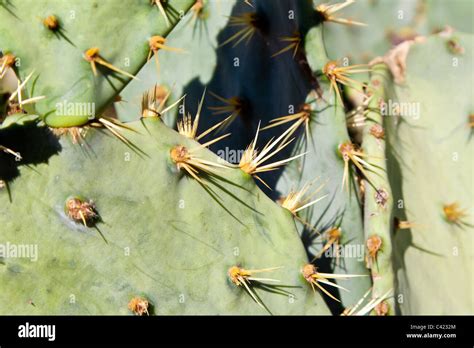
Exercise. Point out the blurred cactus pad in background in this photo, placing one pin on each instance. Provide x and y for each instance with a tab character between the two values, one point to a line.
252	157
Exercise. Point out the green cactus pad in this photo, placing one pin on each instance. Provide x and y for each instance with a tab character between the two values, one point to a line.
431	165
339	208
120	29
161	235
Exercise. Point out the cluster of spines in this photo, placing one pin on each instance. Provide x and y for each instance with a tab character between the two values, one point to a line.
248	279
252	162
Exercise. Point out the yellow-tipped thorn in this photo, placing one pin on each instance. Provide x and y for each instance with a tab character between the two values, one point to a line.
314	277
187	160
252	160
327	11
242	277
299	200
93	57
303	117
340	74
161	8
188	128
249	23
294	43
349	153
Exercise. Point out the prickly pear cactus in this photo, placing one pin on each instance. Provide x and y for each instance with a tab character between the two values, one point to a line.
95	46
296	181
157	234
197	35
430	169
378	196
340	208
390	22
232	76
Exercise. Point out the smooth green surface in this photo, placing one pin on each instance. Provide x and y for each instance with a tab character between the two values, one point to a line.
431	164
